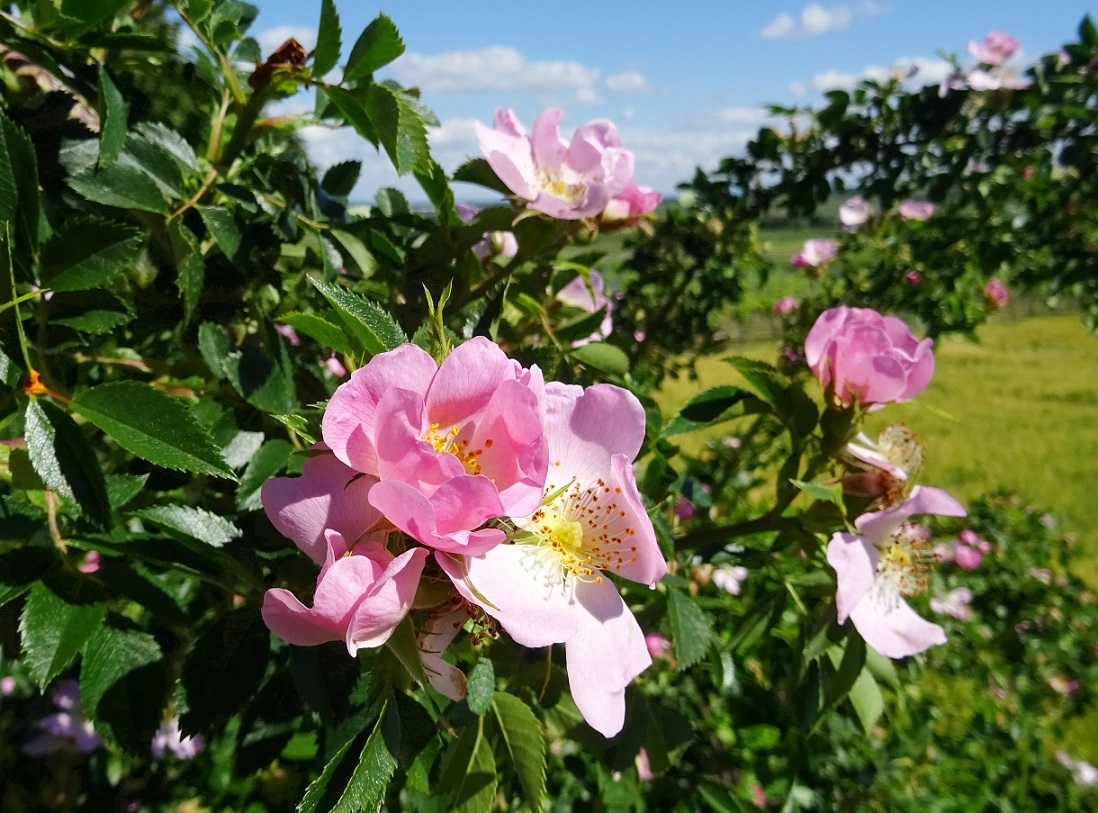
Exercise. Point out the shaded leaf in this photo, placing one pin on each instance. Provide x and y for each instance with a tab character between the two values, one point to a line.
603	357
121	185
399	128
94	322
54	629
705	409
87	253
481	687
479	172
113	113
522	734
340	179
20	200
266	463
220	223
690	630
328	334
190	265
376	764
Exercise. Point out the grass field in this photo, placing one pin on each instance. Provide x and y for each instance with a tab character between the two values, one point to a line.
1022	406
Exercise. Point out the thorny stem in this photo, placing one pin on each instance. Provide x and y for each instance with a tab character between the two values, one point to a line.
211	176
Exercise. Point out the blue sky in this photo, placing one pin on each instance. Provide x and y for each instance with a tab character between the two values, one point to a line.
685	83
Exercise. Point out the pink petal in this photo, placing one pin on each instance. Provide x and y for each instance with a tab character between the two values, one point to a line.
522	587
590	143
437	634
348	425
402	453
606	653
293	622
509	157
854	561
880	525
643	560
466	382
548	147
447	520
586	426
507	122
386	602
895	631
326	495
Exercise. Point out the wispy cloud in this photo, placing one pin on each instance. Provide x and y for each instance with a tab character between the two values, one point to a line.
495	68
627	82
914	71
815	20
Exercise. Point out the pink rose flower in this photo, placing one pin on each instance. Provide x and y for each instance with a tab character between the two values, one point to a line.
996	48
91	562
578	295
912	278
815	253
859	355
7	686
550	588
855	212
566	180
335	366
786	305
452	446
289	334
915	210
644	767
658	646
630	206
884	563
967	558
996	294
683	509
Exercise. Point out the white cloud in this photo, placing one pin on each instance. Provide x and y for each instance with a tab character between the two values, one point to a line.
815	20
628	113
627	82
272	38
588	96
494	68
913	71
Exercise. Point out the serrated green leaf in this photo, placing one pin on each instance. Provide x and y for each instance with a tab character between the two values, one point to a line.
378	45
114	113
399	128
328	334
481	687
86	13
9	192
171	143
690	630
220	223
152	425
121	488
63	458
20	200
603	357
210	528
190	265
377	762
87	253
53	630
433	181
266	463
356	250
120	185
475	791
340	179
478	171
522	734
823	492
371	325
353	109
10	371
706	409
328	40
95	323
123	685
763	377
334	775
20	568
865	696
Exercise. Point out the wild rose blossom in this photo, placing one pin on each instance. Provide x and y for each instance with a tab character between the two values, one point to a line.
996	294
897	450
657	645
915	210
492	244
452	446
786	305
578	295
996	48
815	253
881	565
566	180
854	212
549	587
631	205
859	355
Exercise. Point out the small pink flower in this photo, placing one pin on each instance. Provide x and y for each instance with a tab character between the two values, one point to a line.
996	48
590	299
786	305
630	206
492	244
66	726
7	686
854	212
966	557
996	294
91	562
565	180
658	646
954	603
943	552
815	253
683	509
969	537
729	578
882	565
912	278
288	333
758	796
335	366
169	738
452	446
915	210
859	355
644	767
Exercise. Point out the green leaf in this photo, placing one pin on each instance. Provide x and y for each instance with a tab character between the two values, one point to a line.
371	325
121	185
481	687
353	109
20	200
522	734
266	463
328	334
479	172
21	567
124	686
87	253
193	522
357	251
152	425
603	357
64	459
376	765
114	113
432	179
832	493
95	322
224	668
328	40
865	696
399	128
340	179
690	630
86	13
475	791
10	371
320	790
219	221
705	409
54	629
763	377
190	265
378	45
170	143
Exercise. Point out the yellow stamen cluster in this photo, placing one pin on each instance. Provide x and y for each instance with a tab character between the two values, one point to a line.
451	442
904	560
586	528
901	447
553	183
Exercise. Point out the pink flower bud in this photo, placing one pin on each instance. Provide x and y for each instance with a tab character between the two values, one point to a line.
996	294
657	644
785	305
912	278
916	210
967	558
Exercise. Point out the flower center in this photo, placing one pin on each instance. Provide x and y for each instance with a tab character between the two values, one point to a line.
586	528
902	563
900	447
451	442
555	183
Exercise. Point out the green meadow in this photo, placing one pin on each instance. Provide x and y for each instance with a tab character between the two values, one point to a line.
1015	410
